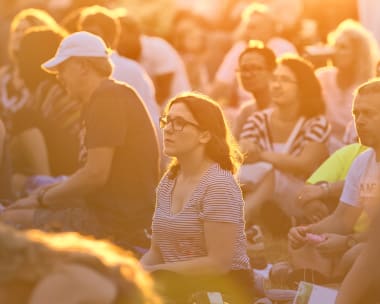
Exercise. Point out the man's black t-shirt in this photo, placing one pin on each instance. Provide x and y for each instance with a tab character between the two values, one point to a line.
116	117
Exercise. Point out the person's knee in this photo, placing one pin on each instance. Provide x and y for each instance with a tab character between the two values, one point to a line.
348	259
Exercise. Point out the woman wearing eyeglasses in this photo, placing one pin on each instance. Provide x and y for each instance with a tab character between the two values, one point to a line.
198	241
290	137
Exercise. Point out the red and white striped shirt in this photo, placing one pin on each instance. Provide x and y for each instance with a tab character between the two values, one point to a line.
217	198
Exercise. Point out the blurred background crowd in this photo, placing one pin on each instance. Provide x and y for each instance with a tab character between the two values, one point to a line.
284	73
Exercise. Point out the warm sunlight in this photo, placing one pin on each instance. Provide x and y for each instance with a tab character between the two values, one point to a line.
189	151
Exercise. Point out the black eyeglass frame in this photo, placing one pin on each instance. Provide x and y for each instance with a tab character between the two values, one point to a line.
177	123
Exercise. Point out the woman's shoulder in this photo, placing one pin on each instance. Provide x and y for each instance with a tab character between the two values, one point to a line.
217	175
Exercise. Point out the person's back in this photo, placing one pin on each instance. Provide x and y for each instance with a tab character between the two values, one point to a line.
131	72
116	117
159	58
57	115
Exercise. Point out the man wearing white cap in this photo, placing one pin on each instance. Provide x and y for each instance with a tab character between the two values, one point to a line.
119	154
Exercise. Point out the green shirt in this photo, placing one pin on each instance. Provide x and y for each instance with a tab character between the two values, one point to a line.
336	167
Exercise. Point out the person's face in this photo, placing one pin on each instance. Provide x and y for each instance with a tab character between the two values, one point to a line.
284	86
190	35
182	134
366	111
259	27
193	40
344	53
68	73
253	72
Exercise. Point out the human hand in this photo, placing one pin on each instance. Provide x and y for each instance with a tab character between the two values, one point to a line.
315	239
251	149
315	210
333	244
309	193
29	202
297	236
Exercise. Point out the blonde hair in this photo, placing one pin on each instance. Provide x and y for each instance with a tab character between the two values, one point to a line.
257	8
29	256
365	48
34	16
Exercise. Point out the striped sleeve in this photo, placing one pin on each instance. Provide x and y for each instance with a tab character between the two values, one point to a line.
317	130
256	128
223	201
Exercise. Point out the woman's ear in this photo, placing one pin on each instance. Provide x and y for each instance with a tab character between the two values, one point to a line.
205	137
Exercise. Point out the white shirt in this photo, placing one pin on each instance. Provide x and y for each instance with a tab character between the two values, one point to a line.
158	57
362	183
338	105
338	102
369	16
132	73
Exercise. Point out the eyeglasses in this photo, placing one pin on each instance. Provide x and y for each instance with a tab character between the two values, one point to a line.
249	70
177	123
283	79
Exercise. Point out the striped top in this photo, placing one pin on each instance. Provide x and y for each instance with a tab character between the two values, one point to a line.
217	198
313	129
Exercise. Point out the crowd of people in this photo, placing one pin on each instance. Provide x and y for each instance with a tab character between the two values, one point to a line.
137	168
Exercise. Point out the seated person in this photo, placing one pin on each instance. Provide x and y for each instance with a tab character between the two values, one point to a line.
256	65
361	285
68	269
320	196
359	192
291	137
112	194
26	142
198	241
55	113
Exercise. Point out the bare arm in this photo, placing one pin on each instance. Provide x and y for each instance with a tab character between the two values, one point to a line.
153	256
357	281
302	165
220	239
94	174
311	192
341	221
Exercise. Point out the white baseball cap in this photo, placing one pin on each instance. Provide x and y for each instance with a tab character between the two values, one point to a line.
79	44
